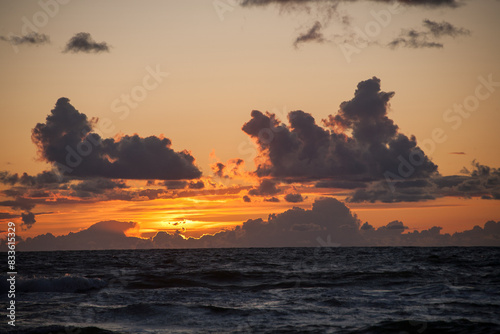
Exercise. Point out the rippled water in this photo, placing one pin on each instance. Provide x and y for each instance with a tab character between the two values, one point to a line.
287	290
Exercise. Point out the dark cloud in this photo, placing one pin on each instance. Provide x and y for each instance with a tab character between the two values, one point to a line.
440	29
320	14
45	179
28	219
218	169
481	181
266	187
431	3
175	184
359	143
93	186
272	199
458	153
7	215
7	178
83	42
312	35
340	184
102	235
196	185
294	198
232	168
19	203
246	199
66	139
33	38
428	38
404	191
328	223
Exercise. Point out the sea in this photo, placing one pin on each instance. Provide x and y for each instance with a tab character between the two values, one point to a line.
257	290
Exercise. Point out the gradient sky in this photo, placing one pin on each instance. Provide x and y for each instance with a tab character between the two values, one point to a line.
224	60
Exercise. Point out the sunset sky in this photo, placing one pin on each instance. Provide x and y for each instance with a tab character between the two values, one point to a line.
157	96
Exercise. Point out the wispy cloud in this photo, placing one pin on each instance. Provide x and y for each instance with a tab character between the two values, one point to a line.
314	34
33	38
429	37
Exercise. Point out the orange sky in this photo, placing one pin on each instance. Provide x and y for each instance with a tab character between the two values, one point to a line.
220	67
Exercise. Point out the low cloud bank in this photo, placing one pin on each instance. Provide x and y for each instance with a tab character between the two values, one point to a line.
329	223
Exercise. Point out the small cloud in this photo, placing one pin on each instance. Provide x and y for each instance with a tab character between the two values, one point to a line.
28	219
33	38
266	187
294	198
272	199
246	199
314	34
429	37
83	42
438	29
196	185
457	153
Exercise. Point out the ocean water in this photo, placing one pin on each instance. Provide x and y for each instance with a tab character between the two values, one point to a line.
277	290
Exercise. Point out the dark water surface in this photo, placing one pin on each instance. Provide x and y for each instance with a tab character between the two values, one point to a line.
278	290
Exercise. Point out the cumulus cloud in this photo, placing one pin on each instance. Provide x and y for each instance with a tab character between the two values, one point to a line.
246	199
429	37
328	223
66	139
83	42
32	38
359	143
28	219
294	198
266	187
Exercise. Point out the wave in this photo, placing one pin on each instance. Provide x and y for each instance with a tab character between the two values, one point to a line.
57	329
459	326
67	283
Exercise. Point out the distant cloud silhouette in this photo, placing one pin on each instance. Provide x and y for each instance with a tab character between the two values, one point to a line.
428	38
43	179
359	143
294	198
312	35
92	186
28	219
7	215
83	42
328	223
322	13
266	188
32	38
232	168
272	199
431	3
246	199
481	181
66	139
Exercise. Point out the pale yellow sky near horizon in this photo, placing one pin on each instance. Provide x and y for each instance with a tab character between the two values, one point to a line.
220	70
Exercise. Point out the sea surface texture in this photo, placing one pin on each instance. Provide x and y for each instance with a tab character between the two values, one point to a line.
276	290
